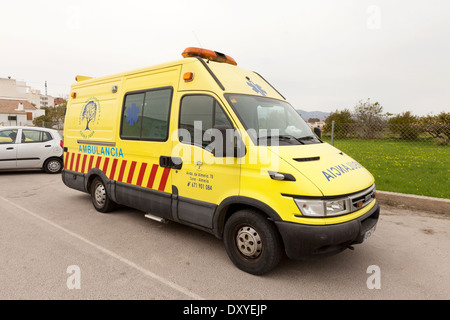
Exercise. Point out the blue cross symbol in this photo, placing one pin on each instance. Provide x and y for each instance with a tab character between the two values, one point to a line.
257	88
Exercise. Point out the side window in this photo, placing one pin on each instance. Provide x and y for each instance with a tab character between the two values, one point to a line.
145	115
46	137
132	115
31	136
201	112
8	136
155	121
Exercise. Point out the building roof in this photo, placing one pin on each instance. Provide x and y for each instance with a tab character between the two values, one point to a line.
12	106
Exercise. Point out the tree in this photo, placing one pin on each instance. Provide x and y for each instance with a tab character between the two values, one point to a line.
43	121
313	120
369	117
53	116
406	125
343	121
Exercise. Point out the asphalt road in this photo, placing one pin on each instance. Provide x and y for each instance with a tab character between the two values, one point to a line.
54	245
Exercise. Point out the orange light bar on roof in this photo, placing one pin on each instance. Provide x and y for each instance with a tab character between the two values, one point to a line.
208	54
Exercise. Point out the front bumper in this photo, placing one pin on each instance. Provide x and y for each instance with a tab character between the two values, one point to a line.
303	241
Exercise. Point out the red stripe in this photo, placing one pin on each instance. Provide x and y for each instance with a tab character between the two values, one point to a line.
113	169
162	184
131	172
122	170
151	179
78	162
141	174
97	165
90	163
66	160
84	163
105	165
71	161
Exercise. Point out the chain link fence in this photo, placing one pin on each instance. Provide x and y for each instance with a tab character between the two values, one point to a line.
433	133
411	158
52	125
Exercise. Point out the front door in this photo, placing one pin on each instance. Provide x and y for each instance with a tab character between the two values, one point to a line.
8	148
204	179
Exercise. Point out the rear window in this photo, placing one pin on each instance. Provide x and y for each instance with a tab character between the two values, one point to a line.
31	136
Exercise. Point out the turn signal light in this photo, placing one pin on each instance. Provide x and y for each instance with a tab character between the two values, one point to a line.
188	76
73	94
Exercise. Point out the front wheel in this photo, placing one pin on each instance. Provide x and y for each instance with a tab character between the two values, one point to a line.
252	242
100	198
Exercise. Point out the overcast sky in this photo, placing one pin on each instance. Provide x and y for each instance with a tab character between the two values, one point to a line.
320	54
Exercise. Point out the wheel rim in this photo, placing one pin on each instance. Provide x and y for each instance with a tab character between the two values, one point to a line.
100	195
54	166
249	242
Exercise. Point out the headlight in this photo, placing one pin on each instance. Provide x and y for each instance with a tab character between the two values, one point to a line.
311	208
338	206
323	208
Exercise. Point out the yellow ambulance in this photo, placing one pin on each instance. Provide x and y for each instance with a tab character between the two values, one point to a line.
204	143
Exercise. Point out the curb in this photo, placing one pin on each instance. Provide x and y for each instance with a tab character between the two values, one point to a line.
436	205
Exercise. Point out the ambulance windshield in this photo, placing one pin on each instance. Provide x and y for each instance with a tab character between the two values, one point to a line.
267	119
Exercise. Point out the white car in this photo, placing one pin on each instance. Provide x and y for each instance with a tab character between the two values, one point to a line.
31	148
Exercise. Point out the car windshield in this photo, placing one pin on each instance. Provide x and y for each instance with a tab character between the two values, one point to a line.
267	119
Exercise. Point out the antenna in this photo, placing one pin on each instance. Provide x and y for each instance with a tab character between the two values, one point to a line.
45	87
195	35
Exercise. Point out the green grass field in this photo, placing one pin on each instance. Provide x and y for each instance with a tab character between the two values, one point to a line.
402	166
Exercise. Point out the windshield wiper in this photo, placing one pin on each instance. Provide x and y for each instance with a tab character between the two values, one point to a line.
309	139
281	137
306	138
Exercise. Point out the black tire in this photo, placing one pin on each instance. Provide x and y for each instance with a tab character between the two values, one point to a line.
100	198
53	165
252	242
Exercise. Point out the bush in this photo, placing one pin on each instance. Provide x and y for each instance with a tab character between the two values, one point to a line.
438	127
342	119
406	125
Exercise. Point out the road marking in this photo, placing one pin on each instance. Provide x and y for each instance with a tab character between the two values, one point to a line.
148	273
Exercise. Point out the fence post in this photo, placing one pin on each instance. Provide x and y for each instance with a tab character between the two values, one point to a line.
332	132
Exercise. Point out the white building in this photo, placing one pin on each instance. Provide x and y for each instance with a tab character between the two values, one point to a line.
18	112
18	90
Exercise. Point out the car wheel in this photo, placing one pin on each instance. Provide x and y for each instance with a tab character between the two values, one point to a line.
252	242
100	198
53	165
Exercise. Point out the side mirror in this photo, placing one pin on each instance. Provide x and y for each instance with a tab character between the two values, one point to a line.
317	132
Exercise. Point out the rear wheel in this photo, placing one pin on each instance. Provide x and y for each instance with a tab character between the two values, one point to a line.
252	242
100	198
53	165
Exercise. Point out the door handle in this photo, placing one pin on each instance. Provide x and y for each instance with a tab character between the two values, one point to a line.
48	145
10	148
170	162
